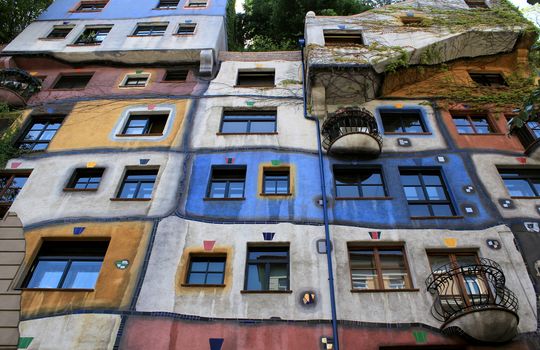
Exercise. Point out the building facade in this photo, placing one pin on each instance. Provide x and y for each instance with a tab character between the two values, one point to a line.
370	191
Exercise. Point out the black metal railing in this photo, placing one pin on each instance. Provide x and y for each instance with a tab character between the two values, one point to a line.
348	121
462	289
20	82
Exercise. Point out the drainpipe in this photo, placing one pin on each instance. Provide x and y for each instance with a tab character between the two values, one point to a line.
302	43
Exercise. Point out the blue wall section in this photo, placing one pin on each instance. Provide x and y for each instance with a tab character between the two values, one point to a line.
303	206
125	9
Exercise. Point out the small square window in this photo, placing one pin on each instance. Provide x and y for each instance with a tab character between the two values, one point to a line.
477	4
227	182
342	38
206	270
186	28
59	32
167	4
521	182
176	74
267	269
488	79
472	123
93	36
196	3
256	78
85	179
39	133
11	184
150	30
138	184
359	183
135	80
276	182
91	6
67	265
402	121
145	124
72	81
248	122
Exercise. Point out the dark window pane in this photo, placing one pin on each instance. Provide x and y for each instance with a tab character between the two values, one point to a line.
258	126
256	78
419	210
75	81
442	210
347	191
373	191
196	278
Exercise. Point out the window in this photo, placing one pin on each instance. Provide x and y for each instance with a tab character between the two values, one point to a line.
402	121
534	128
72	81
145	124
206	270
358	183
186	28
472	124
85	179
196	3
521	182
379	268
176	74
488	79
138	184
10	186
476	4
267	269
167	4
150	29
248	122
426	193
39	133
256	78
136	80
227	182
59	32
93	36
343	38
67	265
91	6
276	182
412	21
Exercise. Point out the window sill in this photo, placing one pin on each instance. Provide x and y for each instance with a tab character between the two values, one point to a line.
51	39
489	134
144	36
362	198
131	87
245	133
82	45
164	9
435	217
186	34
203	285
275	194
223	199
195	7
57	289
524	197
408	133
76	89
88	11
384	290
131	199
67	189
266	291
138	135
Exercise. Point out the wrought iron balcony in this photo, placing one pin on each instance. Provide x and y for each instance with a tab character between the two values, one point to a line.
473	300
352	130
17	86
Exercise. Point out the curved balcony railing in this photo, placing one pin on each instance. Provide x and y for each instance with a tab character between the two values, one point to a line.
19	82
352	130
470	288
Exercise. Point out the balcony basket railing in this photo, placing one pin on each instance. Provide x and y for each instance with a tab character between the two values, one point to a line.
20	82
469	288
348	121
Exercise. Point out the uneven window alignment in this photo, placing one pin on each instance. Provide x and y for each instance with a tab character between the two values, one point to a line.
256	78
488	79
59	32
426	193
72	81
136	81
521	182
150	29
227	182
138	184
472	123
206	270
276	182
67	265
186	28
358	183
343	38
39	133
267	269
176	74
93	36
167	4
145	124
402	121
91	6
379	268
85	179
10	186
248	122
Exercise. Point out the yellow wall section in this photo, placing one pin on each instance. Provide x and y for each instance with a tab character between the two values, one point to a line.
114	287
90	124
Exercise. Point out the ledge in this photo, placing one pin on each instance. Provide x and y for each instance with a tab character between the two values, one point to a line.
75	89
203	285
186	34
362	198
245	133
144	36
489	134
57	289
51	39
435	217
68	189
137	135
275	194
408	133
130	199
524	197
266	291
223	199
384	290
83	45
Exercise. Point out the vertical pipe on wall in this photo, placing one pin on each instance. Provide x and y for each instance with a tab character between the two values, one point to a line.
325	207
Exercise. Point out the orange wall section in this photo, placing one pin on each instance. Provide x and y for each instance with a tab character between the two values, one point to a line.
114	287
